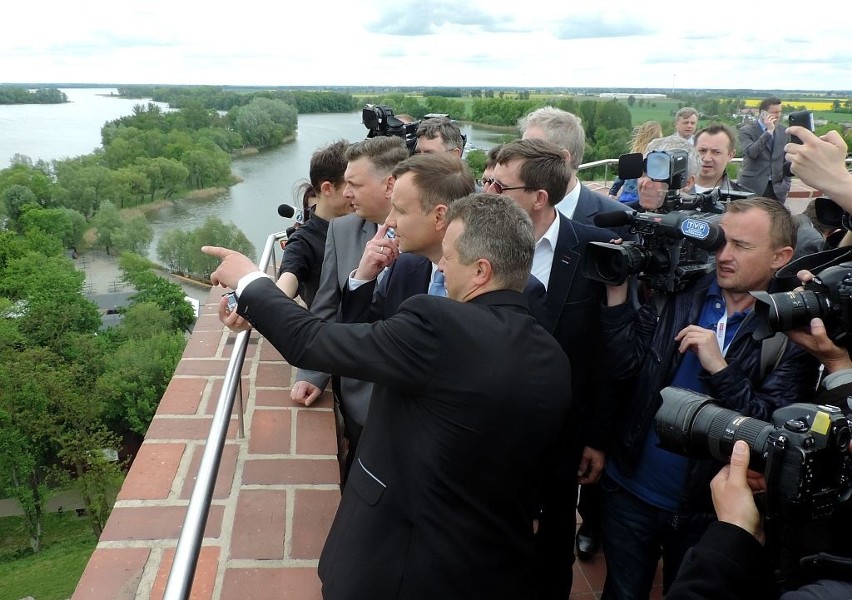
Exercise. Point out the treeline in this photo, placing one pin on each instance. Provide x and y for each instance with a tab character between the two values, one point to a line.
72	394
218	98
10	94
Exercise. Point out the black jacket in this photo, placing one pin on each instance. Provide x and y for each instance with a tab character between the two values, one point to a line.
303	256
642	347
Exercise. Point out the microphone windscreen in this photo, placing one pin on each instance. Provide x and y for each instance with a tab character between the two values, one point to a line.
612	218
286	211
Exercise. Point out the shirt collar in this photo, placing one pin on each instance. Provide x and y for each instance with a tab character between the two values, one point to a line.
552	233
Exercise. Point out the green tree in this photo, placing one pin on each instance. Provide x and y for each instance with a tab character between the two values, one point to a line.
139	272
15	198
214	232
109	225
134	236
64	223
174	249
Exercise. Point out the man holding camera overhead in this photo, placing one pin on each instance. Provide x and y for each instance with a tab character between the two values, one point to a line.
657	503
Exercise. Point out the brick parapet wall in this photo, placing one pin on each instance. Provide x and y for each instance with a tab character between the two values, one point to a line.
275	495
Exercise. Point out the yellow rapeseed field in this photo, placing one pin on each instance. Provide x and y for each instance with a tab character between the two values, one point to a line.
814	105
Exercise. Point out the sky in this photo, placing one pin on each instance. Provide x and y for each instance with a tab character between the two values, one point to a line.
724	44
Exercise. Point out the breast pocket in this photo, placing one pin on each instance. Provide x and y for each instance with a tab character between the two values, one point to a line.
365	483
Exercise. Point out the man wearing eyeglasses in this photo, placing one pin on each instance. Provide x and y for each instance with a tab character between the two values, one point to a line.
535	174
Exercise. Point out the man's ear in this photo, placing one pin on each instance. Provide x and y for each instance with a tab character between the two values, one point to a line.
782	257
440	217
326	188
541	199
484	272
389	186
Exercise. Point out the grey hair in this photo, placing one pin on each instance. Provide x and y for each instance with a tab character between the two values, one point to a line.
560	127
443	127
498	230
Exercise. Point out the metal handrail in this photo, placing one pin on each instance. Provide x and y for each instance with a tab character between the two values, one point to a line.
188	548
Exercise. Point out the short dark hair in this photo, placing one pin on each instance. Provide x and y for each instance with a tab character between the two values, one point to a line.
544	166
715	128
498	230
767	102
440	178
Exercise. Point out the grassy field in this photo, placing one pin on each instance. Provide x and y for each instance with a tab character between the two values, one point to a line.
53	573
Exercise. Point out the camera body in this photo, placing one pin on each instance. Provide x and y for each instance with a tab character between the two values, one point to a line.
670	167
379	119
675	249
827	296
803	454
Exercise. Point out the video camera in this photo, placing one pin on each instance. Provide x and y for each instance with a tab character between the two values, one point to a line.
803	455
670	167
380	121
675	249
827	296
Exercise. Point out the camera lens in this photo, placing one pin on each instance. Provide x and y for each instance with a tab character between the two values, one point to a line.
691	424
614	263
787	310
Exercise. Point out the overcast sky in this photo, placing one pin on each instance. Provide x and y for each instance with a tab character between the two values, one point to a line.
526	43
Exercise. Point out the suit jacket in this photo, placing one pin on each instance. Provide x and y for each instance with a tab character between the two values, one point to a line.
591	203
344	245
411	274
763	159
469	402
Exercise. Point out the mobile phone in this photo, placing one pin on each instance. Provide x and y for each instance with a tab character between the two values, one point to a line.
802	118
232	301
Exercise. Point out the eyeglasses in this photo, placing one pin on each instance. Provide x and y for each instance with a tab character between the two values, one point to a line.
486	181
500	187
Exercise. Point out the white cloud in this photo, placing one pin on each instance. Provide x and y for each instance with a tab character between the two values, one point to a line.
616	43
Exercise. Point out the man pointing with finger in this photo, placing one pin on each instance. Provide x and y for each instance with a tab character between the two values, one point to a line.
442	494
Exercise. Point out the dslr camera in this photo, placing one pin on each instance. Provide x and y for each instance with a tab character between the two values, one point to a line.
675	249
827	296
670	167
803	454
380	120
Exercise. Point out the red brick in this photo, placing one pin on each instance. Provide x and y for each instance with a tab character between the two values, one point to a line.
183	396
203	581
165	428
273	374
224	478
155	523
203	344
295	583
315	432
258	530
286	471
153	472
270	432
202	366
216	391
209	320
112	573
268	352
313	512
251	347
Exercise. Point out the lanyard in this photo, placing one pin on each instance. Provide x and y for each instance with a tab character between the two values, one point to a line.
721	328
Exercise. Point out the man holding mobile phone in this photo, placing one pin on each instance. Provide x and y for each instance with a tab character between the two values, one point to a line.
762	142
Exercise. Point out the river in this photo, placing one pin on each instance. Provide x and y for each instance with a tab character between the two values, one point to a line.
269	179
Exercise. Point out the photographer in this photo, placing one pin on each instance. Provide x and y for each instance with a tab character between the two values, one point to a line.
656	502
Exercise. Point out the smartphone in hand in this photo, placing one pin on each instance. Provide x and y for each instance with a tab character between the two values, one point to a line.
802	118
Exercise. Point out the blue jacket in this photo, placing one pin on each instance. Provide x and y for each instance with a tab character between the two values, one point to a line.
642	347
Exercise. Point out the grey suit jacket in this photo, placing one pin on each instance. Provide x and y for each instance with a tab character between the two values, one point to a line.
344	246
591	203
763	158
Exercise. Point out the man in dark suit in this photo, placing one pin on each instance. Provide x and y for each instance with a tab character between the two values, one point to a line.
369	184
470	402
566	131
534	174
762	142
425	186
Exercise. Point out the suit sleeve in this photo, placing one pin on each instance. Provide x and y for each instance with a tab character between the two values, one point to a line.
753	141
401	351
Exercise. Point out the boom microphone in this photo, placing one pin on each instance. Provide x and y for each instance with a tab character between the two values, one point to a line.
286	211
612	218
